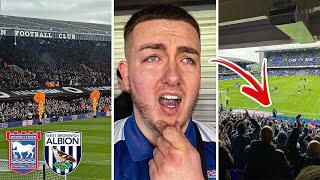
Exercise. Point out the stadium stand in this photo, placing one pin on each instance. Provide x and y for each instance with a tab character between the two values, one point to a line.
294	62
41	52
54	107
227	74
54	64
65	59
311	71
254	146
298	57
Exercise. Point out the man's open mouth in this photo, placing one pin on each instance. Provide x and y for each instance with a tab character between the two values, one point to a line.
170	101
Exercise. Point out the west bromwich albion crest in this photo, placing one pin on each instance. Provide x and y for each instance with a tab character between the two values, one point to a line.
62	151
23	151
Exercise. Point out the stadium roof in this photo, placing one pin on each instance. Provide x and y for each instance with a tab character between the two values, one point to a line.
239	28
289	47
26	23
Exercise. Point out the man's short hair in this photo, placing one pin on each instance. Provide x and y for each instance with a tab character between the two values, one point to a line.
161	11
313	149
241	128
266	134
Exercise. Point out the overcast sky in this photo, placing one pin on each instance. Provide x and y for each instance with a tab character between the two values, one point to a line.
93	11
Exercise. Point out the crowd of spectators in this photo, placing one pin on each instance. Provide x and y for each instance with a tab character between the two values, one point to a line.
224	70
19	110
279	72
54	63
294	72
258	147
11	79
228	74
299	57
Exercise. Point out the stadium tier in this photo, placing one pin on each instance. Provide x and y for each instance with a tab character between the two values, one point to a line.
297	62
226	74
302	71
297	57
19	110
66	60
37	53
38	63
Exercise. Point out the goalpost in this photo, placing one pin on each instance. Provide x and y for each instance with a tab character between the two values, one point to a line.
43	173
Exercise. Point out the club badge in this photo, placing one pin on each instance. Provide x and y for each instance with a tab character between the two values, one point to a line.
23	151
62	151
211	174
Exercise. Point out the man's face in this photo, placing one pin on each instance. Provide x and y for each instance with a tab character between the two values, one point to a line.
163	71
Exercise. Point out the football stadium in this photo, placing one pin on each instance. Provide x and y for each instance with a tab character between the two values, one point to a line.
67	61
293	83
281	141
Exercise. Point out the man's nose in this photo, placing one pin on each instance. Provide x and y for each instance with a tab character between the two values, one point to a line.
172	74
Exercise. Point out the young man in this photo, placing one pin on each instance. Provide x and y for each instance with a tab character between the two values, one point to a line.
162	72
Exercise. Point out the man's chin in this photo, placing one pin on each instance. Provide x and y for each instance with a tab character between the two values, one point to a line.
171	120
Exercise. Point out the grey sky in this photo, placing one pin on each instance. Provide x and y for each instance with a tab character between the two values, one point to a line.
93	11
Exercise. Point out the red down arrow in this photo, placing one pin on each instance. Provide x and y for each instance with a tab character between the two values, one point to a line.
255	91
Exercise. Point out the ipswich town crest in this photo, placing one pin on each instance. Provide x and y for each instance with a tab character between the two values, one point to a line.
23	151
62	151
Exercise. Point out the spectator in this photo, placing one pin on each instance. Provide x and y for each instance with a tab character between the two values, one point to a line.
264	160
242	138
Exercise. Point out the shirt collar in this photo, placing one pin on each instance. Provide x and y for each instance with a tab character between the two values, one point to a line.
139	147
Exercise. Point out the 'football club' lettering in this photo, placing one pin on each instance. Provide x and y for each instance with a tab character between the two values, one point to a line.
3	32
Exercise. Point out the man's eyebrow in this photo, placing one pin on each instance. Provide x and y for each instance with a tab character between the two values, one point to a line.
159	46
188	49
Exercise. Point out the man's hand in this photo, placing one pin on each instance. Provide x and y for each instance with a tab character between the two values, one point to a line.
174	157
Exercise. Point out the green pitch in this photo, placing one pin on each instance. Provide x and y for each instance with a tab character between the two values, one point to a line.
286	100
96	143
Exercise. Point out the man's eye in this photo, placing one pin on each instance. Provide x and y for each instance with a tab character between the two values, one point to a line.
188	61
152	58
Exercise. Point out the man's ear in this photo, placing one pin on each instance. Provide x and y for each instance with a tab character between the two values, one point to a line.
123	68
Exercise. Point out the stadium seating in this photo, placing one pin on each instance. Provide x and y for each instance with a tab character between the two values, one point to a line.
299	57
54	64
54	107
32	63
